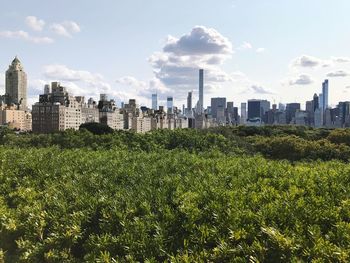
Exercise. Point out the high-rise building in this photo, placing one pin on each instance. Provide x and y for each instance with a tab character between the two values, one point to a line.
316	103
243	112
189	102
230	119
320	102
318	118
325	94
16	84
47	89
291	109
154	101
170	104
201	91
56	111
281	107
344	112
257	109
218	108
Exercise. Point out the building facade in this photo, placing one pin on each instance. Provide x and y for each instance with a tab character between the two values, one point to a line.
16	85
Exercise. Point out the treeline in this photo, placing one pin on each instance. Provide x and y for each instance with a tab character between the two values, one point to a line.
170	206
292	143
276	142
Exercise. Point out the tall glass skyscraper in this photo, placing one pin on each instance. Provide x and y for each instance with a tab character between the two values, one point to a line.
325	94
170	104
154	102
201	90
257	108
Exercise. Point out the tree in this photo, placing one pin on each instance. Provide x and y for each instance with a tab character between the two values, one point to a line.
96	128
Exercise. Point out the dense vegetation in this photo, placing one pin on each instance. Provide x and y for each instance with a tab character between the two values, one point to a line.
271	194
293	143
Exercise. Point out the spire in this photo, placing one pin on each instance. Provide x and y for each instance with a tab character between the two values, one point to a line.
16	60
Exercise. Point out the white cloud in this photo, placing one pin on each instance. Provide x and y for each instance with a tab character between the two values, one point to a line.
71	26
60	30
341	59
246	45
301	80
307	61
260	90
131	87
34	23
338	73
93	83
132	82
201	41
66	28
178	64
25	36
260	50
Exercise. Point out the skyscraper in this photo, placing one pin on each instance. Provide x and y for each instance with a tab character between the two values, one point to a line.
257	109
243	112
154	101
47	89
170	104
189	104
201	90
315	102
16	84
321	101
230	112
189	101
218	107
325	94
291	109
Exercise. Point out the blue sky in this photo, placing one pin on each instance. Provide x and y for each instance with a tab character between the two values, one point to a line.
278	50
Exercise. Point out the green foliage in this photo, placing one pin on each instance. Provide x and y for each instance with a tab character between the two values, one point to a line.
96	128
77	205
340	136
292	143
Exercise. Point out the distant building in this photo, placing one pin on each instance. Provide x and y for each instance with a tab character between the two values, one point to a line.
325	86
318	118
344	113
15	119
201	91
301	117
257	109
16	85
230	112
189	112
291	109
281	107
170	104
316	103
243	113
154	101
90	111
218	108
56	111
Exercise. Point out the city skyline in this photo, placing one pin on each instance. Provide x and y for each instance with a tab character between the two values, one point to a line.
134	57
16	96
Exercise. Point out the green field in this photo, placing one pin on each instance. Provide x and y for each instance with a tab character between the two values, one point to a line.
272	194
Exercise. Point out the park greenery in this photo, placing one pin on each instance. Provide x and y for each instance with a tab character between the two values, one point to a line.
227	194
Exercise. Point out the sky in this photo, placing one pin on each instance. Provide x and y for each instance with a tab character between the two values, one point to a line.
263	49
